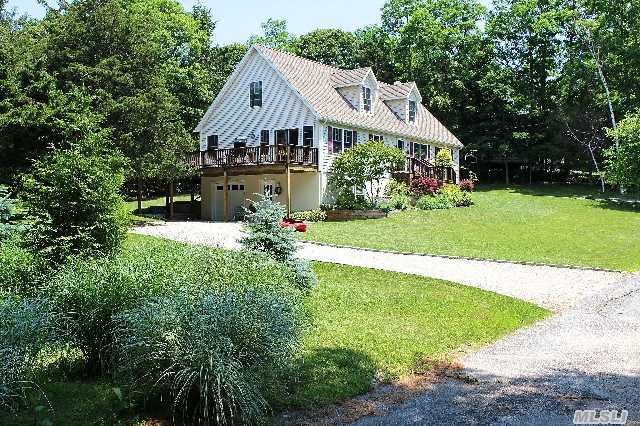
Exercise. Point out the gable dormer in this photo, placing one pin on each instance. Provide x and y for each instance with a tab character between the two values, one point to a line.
358	87
402	99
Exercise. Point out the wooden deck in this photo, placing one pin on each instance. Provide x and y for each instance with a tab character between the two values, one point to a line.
264	157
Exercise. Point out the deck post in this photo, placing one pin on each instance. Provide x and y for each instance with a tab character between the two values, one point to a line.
226	196
288	191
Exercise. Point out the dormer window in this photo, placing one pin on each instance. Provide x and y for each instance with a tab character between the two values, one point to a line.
255	94
412	111
366	98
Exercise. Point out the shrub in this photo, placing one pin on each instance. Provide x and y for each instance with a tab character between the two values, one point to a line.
395	187
305	278
425	186
21	271
74	200
455	195
26	327
400	202
443	158
347	200
428	202
264	233
467	185
217	356
310	215
91	292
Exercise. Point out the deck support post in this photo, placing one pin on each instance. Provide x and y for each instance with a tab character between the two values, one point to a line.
288	191
226	196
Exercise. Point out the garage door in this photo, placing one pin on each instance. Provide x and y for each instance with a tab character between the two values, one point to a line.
236	199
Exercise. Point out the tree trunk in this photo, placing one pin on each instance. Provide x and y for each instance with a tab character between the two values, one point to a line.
506	172
139	195
595	163
171	199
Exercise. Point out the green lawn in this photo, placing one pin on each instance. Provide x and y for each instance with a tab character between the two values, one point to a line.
542	223
152	208
367	326
376	324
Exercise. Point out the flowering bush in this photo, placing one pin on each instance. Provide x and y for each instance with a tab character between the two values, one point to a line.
467	185
425	186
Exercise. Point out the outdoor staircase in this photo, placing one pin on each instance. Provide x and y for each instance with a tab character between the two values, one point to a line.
417	168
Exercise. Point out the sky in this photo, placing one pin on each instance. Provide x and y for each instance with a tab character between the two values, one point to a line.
237	20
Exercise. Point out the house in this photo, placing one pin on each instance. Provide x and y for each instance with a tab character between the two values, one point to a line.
280	120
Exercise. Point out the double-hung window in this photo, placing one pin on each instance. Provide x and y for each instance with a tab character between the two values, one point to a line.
264	137
337	140
412	111
366	98
307	136
401	145
348	139
212	142
255	94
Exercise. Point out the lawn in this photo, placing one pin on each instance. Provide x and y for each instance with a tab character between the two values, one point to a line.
548	224
152	208
367	325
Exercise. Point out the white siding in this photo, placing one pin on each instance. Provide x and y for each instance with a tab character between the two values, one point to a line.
353	94
400	108
234	118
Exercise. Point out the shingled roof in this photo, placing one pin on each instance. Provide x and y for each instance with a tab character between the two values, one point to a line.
317	84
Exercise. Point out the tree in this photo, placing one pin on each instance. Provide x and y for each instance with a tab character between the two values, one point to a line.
623	163
73	199
333	47
365	167
275	35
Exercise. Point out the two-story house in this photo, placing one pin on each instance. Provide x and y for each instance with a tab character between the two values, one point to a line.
280	120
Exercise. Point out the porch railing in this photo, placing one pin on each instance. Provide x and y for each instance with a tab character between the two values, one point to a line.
255	155
416	167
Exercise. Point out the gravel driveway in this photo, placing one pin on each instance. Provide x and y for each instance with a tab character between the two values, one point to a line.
586	356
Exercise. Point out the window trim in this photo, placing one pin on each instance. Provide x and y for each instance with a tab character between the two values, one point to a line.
265	140
367	102
307	140
217	142
340	144
376	138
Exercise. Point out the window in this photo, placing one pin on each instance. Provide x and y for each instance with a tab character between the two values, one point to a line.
348	139
337	140
292	136
401	145
281	137
422	151
255	94
366	97
264	137
268	190
240	144
212	142
412	111
376	138
307	136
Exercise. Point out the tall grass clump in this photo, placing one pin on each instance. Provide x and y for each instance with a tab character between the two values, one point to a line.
216	355
21	271
26	328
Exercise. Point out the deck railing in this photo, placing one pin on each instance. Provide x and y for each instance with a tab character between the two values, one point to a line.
416	167
255	156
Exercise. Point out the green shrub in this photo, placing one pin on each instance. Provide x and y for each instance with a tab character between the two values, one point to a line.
218	355
73	198
305	278
21	271
347	200
400	202
7	210
428	202
310	215
395	187
456	196
26	327
264	233
91	292
443	158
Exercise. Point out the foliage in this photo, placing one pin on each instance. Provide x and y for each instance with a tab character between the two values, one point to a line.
303	274
623	163
365	166
348	200
395	187
428	202
467	185
26	327
333	47
443	158
425	186
264	233
400	202
21	271
218	355
455	195
7	210
310	215
73	199
91	292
